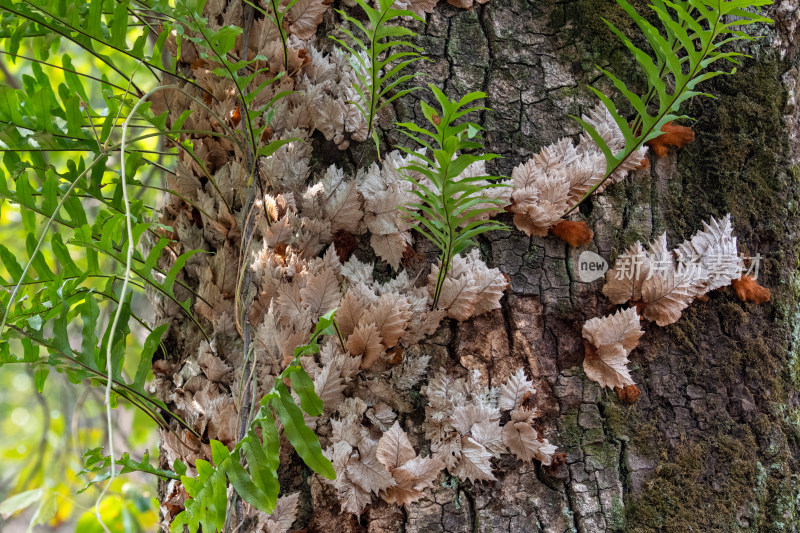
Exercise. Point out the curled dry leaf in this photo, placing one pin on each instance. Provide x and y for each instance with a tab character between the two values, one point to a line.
369	473
213	367
391	315
475	464
412	478
539	198
349	313
663	282
382	416
390	247
281	520
411	473
666	295
712	252
321	293
394	448
574	233
624	280
628	393
673	135
561	174
609	341
748	290
607	366
418	7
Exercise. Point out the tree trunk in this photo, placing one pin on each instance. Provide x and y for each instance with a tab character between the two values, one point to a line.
713	442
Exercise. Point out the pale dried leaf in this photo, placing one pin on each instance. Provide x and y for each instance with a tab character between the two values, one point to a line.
353	407
474	464
401	495
329	385
410	371
459	294
448	450
382	416
465	416
289	306
390	247
609	367
523	441
366	342
514	391
624	281
341	202
353	498
422	325
305	16
384	392
412	478
489	283
321	293
284	515
622	327
280	231
357	272
487	434
424	470
666	296
391	315
713	254
349	313
370	474
540	196
394	448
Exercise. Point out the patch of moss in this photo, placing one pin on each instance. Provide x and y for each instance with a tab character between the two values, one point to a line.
615	518
570	431
624	422
679	498
601	455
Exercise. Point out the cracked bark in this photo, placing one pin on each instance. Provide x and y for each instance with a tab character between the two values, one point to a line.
713	442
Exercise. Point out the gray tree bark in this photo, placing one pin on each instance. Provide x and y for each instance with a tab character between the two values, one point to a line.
714	440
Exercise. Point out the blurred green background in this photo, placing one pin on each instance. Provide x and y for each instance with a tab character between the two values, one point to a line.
43	436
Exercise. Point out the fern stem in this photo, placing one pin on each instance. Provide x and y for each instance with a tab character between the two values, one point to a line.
278	23
447	253
372	90
339	336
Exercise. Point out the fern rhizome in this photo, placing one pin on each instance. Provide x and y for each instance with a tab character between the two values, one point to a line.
272	326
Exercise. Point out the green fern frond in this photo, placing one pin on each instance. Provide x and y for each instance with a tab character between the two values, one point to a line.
451	209
688	42
377	62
